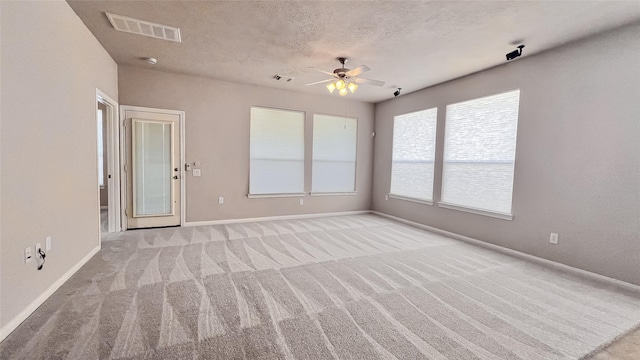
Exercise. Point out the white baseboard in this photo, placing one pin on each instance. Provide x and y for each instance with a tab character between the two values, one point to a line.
24	314
272	218
515	253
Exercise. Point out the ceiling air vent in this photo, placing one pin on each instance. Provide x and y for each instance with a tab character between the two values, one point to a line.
140	27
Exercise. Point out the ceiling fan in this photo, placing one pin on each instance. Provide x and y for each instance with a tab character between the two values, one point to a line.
343	78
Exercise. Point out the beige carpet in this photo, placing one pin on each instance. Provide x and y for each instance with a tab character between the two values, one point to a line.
104	221
353	287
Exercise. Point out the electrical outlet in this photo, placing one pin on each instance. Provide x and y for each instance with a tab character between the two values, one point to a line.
553	238
196	172
47	243
221	200
28	256
301	201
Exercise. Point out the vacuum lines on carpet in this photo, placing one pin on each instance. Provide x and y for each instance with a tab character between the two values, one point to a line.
351	287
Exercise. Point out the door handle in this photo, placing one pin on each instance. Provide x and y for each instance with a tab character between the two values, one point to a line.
175	176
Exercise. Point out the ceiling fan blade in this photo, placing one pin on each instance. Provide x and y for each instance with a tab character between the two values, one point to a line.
357	71
369	82
319	82
322	71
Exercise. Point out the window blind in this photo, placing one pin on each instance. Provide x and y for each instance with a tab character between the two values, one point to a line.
334	154
276	151
414	139
479	152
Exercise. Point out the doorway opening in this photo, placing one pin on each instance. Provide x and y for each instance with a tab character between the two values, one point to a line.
108	163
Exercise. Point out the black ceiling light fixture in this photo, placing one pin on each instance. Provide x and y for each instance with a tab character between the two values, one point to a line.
515	53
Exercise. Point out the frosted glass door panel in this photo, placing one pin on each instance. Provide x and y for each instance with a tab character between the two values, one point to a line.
152	173
334	154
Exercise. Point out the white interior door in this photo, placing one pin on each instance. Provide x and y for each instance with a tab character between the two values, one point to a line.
153	169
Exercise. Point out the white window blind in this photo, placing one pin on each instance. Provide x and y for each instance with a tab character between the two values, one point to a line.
334	154
479	152
100	149
277	151
414	140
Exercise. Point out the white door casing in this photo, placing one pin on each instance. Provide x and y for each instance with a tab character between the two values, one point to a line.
113	159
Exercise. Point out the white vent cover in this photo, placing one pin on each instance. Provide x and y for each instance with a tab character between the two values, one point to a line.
140	27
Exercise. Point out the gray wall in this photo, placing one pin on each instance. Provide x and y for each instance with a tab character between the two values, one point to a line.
577	169
217	135
51	66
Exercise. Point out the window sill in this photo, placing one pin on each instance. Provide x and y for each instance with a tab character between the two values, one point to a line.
407	198
349	193
264	196
493	214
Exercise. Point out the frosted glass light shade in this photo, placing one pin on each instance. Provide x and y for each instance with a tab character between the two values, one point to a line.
353	87
343	92
331	87
340	84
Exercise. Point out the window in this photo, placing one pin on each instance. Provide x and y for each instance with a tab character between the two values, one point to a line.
414	139
276	152
479	153
334	154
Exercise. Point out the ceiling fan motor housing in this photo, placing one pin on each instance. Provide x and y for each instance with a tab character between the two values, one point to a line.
341	73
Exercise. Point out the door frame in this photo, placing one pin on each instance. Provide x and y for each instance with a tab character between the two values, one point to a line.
113	159
124	161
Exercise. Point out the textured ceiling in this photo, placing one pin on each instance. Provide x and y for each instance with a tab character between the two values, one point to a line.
408	44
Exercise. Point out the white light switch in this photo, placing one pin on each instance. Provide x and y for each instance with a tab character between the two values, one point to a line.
47	243
221	200
196	172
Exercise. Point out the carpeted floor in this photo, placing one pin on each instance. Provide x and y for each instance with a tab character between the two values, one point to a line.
353	287
104	221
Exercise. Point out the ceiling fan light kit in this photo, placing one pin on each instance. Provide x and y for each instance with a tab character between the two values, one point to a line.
345	80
